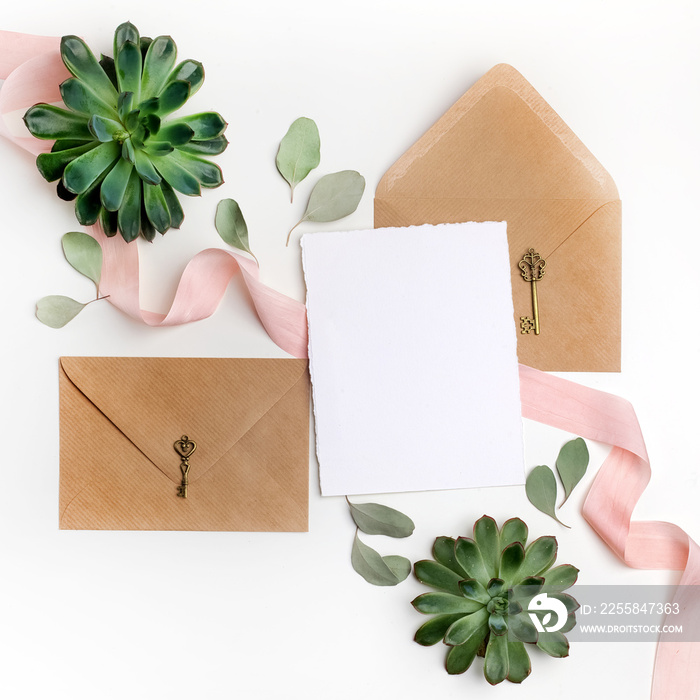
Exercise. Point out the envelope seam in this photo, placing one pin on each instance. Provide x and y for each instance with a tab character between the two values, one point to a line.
588	218
299	378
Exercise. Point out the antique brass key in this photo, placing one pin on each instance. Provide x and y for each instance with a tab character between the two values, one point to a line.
185	448
532	269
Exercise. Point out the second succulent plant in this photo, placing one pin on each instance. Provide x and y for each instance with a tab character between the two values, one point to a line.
494	595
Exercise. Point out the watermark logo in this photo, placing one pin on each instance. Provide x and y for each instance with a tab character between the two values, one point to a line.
542	603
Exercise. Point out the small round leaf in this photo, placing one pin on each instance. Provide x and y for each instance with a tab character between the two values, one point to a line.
374	518
56	310
83	253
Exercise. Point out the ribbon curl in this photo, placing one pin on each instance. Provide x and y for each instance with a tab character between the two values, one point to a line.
32	69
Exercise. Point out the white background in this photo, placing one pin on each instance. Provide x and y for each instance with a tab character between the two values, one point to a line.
107	615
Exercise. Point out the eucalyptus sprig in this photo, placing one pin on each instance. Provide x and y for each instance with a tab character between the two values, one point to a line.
334	196
541	484
376	519
84	254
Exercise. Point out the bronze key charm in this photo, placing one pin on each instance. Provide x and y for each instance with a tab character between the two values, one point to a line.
532	269
185	448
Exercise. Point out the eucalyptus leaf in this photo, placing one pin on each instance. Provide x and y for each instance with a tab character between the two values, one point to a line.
376	519
572	463
231	225
83	253
299	152
400	566
372	566
334	197
56	310
541	490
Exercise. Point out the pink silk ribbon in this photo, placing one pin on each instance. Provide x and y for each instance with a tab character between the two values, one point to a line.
32	70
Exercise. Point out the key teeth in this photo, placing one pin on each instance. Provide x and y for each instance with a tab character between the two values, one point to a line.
527	324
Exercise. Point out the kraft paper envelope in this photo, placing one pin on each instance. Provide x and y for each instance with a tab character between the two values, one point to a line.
501	153
120	419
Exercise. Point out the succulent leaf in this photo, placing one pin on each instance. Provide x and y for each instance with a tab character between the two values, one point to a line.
176	176
174	95
191	72
128	64
206	148
444	553
157	66
487	538
123	33
156	207
49	122
114	185
467	628
111	135
106	130
569	601
208	174
145	169
561	577
109	222
528	587
107	65
177	216
569	624
87	168
496	659
205	125
433	631
129	214
497	623
539	556
435	575
176	133
513	530
444	603
78	96
469	558
522	627
553	643
148	230
519	665
460	658
63	193
474	590
88	205
51	165
82	64
511	560
496	587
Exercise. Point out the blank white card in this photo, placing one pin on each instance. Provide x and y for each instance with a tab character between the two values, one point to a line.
413	361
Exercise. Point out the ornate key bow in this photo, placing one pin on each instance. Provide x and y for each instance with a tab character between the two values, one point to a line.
185	448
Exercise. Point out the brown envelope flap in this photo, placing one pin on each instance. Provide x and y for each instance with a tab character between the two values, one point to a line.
154	401
579	297
500	139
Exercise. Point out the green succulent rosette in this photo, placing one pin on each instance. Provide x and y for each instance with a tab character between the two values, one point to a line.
488	588
114	152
